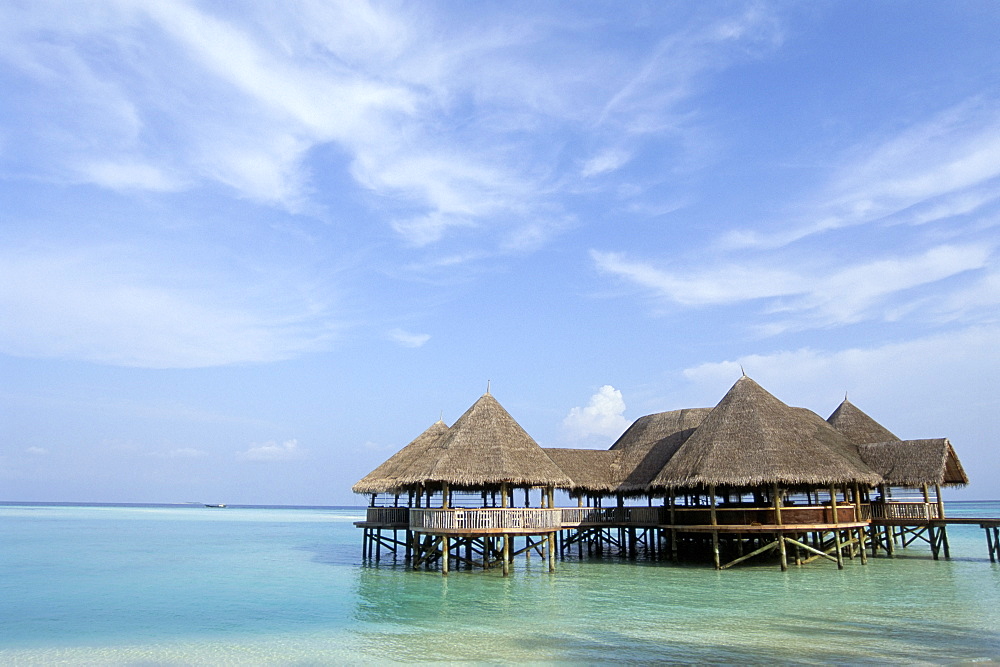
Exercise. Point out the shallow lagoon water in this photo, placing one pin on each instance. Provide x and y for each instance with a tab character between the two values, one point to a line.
192	585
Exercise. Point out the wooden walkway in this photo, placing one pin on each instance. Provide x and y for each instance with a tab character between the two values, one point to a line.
885	532
910	529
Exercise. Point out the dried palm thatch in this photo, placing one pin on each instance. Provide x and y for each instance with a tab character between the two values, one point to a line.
387	478
647	445
751	439
589	470
842	445
486	447
857	426
915	462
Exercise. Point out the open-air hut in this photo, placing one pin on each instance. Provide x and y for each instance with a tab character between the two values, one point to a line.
752	444
752	474
485	453
486	449
902	464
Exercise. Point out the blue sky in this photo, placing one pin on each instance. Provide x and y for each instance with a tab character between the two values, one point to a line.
248	251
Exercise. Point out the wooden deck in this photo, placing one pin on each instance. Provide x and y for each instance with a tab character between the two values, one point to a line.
539	521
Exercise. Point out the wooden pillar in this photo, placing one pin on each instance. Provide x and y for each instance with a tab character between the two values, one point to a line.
862	547
782	547
673	522
506	555
503	494
715	522
836	530
551	549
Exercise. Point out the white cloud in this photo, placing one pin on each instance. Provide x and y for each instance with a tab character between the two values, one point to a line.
272	451
944	166
119	306
603	417
437	118
606	161
805	296
37	451
407	339
123	175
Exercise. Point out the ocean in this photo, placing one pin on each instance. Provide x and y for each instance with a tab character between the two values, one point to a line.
144	584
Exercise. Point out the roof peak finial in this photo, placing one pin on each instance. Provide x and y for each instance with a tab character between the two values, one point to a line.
743	371
487	386
441	416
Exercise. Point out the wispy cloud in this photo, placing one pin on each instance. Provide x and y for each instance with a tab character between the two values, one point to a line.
272	451
608	160
122	306
805	295
438	120
944	166
408	339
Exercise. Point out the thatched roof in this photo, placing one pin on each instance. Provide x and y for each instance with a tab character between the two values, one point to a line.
647	445
842	445
486	447
915	462
391	475
751	438
857	426
590	470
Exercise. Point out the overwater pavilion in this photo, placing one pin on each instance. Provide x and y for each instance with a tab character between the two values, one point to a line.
749	478
904	510
460	485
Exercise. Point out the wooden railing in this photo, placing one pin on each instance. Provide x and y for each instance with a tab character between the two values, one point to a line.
486	520
905	510
518	519
388	515
576	516
749	516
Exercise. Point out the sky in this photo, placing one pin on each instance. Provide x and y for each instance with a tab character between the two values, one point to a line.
250	250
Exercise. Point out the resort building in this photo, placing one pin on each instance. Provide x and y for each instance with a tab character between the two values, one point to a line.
750	478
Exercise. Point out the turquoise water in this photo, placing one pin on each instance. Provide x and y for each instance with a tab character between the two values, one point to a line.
190	585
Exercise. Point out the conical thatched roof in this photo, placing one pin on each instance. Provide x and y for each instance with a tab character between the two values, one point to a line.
842	445
751	438
915	462
590	470
647	445
391	475
486	447
857	426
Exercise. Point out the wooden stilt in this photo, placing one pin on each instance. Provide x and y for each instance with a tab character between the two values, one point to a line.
506	555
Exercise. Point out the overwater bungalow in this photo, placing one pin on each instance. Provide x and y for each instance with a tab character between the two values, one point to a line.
749	478
904	509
